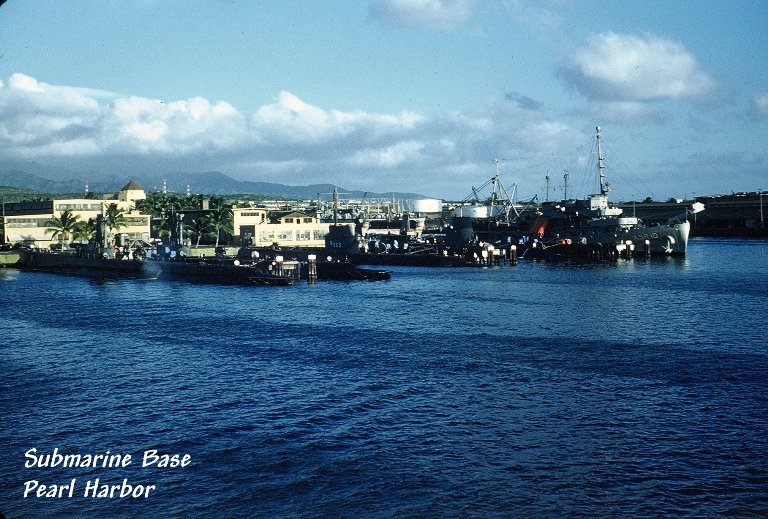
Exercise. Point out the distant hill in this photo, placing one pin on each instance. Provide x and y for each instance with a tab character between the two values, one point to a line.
22	180
15	194
57	180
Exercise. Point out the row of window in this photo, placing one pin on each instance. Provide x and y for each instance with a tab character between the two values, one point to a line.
298	220
16	223
78	207
271	236
134	221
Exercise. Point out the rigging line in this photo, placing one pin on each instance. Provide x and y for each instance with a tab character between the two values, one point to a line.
585	176
542	157
627	183
644	189
540	160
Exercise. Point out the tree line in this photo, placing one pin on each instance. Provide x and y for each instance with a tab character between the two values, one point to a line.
161	207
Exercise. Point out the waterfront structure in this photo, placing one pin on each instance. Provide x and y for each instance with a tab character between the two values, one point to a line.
734	215
27	222
260	227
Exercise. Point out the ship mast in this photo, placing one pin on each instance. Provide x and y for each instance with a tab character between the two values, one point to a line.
335	206
565	185
604	188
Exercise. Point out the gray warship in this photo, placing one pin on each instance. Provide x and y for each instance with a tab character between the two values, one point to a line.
592	221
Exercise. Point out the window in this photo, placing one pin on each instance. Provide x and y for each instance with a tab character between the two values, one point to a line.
28	222
135	222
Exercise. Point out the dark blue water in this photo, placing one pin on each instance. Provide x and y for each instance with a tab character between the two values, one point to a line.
636	388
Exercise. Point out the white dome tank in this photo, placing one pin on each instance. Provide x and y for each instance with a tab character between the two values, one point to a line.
472	211
427	205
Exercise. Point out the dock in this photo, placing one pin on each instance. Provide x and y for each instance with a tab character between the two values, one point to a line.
8	259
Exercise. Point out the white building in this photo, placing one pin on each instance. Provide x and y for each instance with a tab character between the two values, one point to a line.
28	221
295	229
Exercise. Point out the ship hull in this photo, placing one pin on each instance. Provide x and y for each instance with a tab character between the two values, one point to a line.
224	273
74	265
669	240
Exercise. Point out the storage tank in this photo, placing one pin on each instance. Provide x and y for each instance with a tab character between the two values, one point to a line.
472	211
427	205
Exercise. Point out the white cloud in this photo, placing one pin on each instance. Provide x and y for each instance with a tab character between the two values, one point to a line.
39	119
25	83
389	156
291	120
143	125
760	105
288	140
40	116
626	67
443	15
25	94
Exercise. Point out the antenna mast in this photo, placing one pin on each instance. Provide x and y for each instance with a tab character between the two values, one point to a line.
601	164
565	185
335	206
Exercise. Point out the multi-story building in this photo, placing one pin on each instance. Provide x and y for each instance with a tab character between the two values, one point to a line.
261	227
27	221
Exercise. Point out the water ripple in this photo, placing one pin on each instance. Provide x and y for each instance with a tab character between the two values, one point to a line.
632	389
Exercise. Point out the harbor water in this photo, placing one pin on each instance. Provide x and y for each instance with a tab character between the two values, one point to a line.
623	389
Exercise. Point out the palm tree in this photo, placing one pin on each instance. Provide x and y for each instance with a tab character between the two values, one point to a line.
84	231
63	226
160	206
220	219
198	228
114	218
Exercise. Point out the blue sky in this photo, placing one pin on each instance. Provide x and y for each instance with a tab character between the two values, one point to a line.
393	95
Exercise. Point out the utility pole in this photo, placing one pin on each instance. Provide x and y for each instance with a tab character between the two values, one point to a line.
546	198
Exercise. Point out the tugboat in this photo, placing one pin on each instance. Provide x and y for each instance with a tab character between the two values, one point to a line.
592	222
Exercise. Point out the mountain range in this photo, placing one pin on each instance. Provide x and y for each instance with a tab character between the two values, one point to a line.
37	177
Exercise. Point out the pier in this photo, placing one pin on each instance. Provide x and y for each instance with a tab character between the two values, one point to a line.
8	259
738	215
